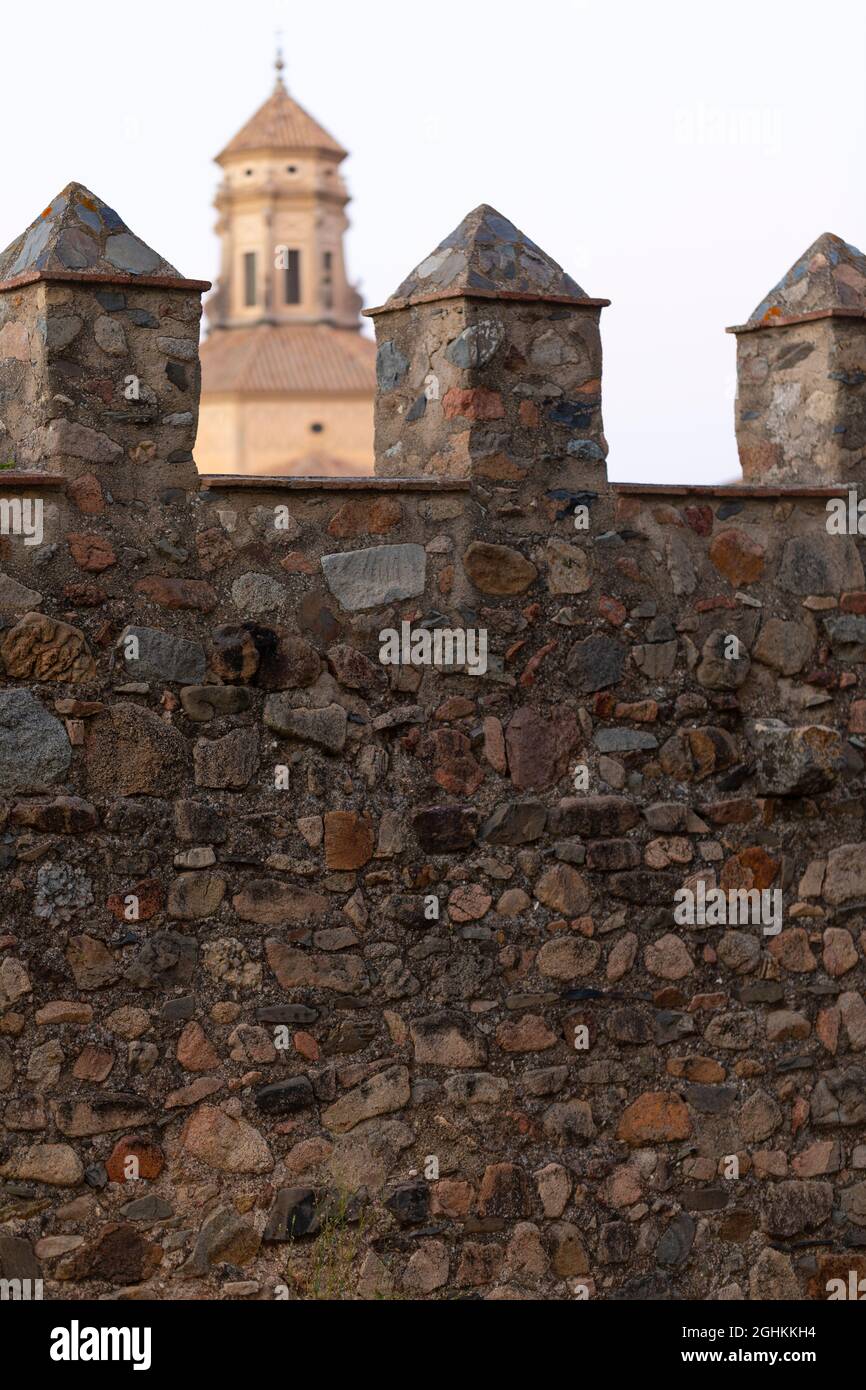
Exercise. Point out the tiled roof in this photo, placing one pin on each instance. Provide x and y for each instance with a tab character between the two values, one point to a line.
489	255
78	232
312	466
298	358
284	124
830	275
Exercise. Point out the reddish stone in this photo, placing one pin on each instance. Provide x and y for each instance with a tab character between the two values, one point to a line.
751	868
454	768
655	1117
468	903
118	1254
505	1191
214	549
494	744
532	665
857	717
473	403
730	812
305	1044
612	610
195	595
150	898
709	605
366	517
297	563
854	603
86	492
793	952
85	595
530	415
349	840
195	1052
700	519
737	556
451	1197
539	747
92	553
458	707
642	712
151	1159
93	1063
527	1034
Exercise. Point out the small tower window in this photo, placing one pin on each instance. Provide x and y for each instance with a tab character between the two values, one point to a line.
292	278
291	168
317	428
250	279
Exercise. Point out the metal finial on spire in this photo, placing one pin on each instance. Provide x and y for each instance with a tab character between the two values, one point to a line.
279	62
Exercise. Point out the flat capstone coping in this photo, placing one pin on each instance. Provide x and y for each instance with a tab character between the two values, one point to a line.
90	277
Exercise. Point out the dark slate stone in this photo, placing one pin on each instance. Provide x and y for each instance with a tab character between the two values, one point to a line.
391	367
595	817
573	415
586	450
111	301
286	1097
142	319
711	1100
644	1288
625	741
704	1199
151	1208
729	509
409	1204
17	1260
761	992
417	410
596	663
292	1216
177	1010
661	630
165	960
177	375
515	823
643	886
669	1026
676	1242
286	1013
409	911
629	1026
445	829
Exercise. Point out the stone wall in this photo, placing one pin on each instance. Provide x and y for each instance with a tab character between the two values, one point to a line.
326	978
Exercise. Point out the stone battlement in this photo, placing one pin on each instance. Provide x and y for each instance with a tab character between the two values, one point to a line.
302	938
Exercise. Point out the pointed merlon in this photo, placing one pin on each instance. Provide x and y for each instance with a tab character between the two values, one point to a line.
77	232
829	278
487	256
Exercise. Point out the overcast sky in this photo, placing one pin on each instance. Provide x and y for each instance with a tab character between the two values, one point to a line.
674	156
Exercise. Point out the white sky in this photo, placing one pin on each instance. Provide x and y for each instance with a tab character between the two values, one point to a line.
674	156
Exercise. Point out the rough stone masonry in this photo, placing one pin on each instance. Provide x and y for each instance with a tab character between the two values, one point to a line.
320	978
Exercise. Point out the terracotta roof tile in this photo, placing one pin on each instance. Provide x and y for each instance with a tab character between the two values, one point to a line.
298	358
284	124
